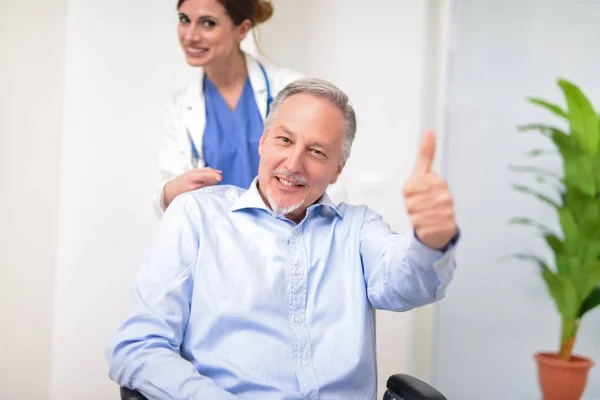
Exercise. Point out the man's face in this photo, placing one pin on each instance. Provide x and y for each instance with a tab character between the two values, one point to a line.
300	154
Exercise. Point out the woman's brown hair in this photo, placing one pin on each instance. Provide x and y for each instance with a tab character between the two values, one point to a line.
257	11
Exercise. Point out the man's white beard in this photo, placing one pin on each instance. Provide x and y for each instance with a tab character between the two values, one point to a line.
280	208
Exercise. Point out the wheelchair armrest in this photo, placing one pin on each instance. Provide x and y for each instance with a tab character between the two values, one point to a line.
406	387
128	394
400	387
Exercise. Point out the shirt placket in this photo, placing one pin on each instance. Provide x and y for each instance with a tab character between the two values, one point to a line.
305	371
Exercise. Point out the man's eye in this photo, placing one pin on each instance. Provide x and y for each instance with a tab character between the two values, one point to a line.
318	153
284	139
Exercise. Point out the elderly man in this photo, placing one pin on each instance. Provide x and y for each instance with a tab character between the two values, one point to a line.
268	292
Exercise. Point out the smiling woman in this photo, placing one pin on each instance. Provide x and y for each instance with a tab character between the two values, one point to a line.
217	27
213	126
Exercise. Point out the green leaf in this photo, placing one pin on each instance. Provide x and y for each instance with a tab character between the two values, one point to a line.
530	222
585	210
536	170
561	258
545	130
555	243
563	292
574	285
562	140
592	251
540	196
552	107
591	302
568	224
563	262
596	164
529	257
540	152
586	277
579	170
582	118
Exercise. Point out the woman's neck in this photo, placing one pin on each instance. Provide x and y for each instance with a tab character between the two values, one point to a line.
229	72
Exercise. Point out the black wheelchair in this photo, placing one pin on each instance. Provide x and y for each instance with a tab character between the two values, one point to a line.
399	387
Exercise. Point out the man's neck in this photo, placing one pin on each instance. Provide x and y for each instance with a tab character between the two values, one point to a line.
229	72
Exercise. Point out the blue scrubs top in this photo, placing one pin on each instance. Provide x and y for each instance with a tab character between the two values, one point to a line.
231	137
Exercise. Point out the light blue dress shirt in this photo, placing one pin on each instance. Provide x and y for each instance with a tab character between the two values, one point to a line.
236	302
230	141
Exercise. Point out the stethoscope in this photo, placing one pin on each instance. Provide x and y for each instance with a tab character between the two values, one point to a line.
195	156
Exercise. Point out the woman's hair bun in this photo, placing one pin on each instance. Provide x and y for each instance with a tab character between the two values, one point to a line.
263	10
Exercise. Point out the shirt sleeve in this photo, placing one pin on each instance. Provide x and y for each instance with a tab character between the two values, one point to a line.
144	354
402	273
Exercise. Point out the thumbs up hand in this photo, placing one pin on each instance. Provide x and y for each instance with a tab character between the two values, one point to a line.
428	200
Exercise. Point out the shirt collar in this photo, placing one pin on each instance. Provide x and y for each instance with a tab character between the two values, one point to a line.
251	198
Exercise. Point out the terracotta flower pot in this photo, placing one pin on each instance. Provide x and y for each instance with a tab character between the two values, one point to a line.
562	380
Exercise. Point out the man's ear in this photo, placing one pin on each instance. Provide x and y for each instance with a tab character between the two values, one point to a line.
337	173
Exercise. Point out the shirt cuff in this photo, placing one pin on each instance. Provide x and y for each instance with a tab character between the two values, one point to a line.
450	244
424	255
441	261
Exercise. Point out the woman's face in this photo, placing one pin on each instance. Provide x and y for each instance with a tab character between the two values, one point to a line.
207	33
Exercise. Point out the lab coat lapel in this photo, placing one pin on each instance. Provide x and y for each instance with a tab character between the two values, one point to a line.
194	116
257	80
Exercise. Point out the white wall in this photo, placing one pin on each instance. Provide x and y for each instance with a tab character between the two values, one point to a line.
497	315
121	67
284	38
122	63
32	35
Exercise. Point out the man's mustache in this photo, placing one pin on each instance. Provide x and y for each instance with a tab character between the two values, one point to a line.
290	176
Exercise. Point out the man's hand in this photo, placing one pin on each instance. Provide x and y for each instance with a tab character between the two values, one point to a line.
428	200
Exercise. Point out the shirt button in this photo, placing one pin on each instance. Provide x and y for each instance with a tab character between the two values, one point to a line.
304	363
298	271
297	319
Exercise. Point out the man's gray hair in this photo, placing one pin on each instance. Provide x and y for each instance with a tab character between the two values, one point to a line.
325	90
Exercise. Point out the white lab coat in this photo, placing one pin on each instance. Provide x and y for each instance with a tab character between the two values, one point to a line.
184	117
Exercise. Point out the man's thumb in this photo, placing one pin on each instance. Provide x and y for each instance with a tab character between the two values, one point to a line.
426	154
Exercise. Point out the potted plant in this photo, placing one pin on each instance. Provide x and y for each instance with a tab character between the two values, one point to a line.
573	276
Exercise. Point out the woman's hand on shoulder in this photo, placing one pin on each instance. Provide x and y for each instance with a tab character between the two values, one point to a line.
190	180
